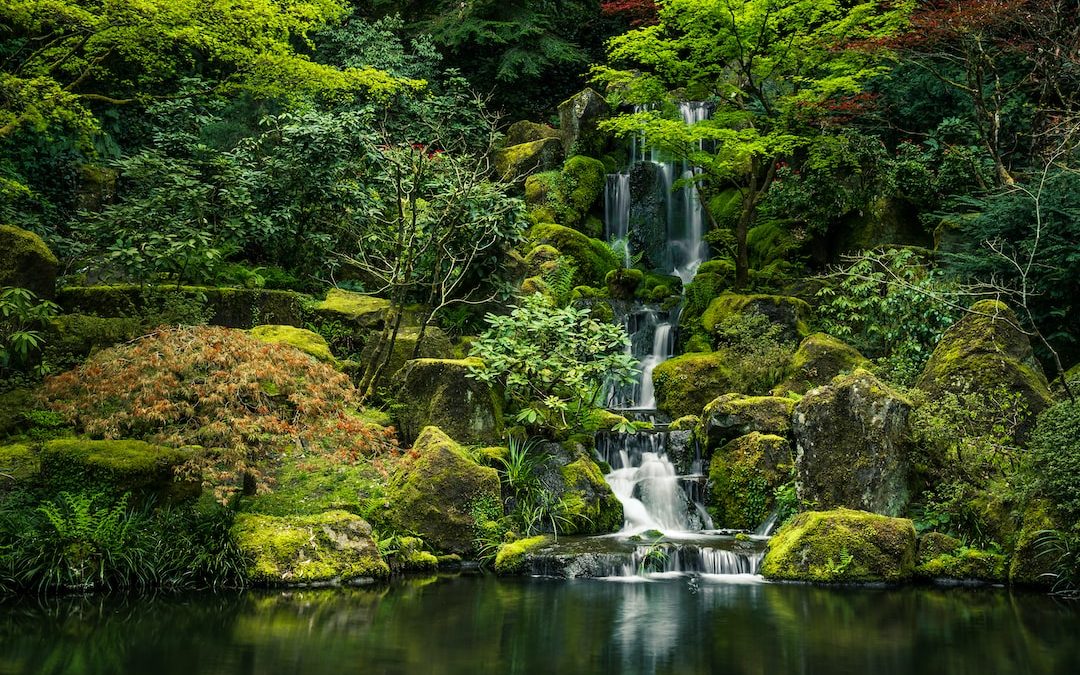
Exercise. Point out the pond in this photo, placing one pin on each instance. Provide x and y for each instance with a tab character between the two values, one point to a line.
479	624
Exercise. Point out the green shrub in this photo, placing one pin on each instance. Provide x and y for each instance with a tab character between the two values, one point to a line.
1055	447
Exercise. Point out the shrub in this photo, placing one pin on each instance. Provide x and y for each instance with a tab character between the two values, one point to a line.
754	350
1055	447
22	315
244	401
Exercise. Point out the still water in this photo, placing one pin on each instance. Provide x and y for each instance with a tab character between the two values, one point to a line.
472	624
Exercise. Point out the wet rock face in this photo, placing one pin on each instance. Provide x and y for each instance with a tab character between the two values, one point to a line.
851	441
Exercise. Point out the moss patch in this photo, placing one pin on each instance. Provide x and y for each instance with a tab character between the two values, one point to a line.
19	462
687	383
80	464
439	392
842	546
511	557
515	162
326	547
592	257
355	309
790	313
588	504
733	415
309	485
306	341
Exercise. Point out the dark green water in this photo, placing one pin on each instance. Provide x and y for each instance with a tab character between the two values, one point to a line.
481	625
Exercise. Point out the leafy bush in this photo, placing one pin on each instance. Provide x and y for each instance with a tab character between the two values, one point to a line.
753	350
22	315
244	401
1055	447
553	363
892	308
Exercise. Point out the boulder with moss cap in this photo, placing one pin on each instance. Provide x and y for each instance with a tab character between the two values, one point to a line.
791	314
733	415
79	464
357	310
433	491
592	257
439	392
986	351
309	342
26	262
841	546
817	361
334	546
851	442
743	477
513	163
684	385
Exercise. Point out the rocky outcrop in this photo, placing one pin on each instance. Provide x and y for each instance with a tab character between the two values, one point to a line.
513	163
842	546
851	441
116	466
586	503
790	314
26	262
733	415
592	258
439	392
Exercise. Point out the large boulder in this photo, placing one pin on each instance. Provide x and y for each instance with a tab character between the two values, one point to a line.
434	492
356	310
435	345
685	384
743	477
946	558
1032	560
146	470
307	341
327	547
733	415
579	117
852	445
26	262
592	257
586	502
439	392
567	197
525	131
515	162
70	338
817	361
841	546
790	314
984	352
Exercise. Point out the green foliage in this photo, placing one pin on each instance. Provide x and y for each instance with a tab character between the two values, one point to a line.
22	315
891	307
1061	550
754	350
1055	449
554	361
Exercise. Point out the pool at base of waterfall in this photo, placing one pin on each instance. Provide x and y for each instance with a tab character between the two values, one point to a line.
480	624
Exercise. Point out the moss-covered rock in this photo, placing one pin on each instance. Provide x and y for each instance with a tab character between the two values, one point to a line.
79	464
540	257
587	502
327	547
26	262
70	338
983	352
13	404
511	557
19	465
433	492
513	163
579	119
841	546
943	557
733	415
743	476
592	257
623	282
818	360
685	423
685	384
852	445
357	310
310	484
435	345
439	392
229	307
525	131
1028	565
791	314
309	342
412	557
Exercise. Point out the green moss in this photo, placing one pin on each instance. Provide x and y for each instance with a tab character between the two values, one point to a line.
19	462
818	360
525	131
791	313
1026	566
743	476
685	384
80	464
26	262
593	258
623	282
539	256
436	345
356	308
326	547
685	423
72	337
842	546
439	392
309	485
306	341
602	420
432	494
589	505
511	556
13	404
515	162
964	564
733	415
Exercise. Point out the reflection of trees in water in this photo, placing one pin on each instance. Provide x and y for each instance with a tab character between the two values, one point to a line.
475	625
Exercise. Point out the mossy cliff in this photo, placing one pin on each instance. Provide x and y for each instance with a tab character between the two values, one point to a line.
842	546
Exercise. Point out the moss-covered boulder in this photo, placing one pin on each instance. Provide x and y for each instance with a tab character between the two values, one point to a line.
356	310
512	556
307	341
439	392
525	131
623	283
984	352
435	345
943	557
70	338
1031	564
841	546
26	262
817	361
852	445
685	384
410	556
733	415
592	257
586	500
791	314
743	476
79	464
328	547
434	491
579	119
311	483
513	163
13	403
19	466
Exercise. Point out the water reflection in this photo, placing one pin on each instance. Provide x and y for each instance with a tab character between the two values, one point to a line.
481	625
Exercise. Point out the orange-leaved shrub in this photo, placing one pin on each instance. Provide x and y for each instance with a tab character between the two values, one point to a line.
245	403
